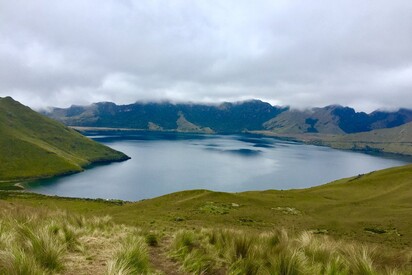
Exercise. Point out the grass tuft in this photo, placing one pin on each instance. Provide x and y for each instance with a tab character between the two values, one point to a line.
43	246
131	258
151	240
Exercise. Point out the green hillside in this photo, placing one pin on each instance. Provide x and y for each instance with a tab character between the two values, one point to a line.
358	225
396	140
347	207
33	146
376	207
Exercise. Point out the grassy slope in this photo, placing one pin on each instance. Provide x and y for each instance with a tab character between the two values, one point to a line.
396	140
32	145
375	208
295	122
45	241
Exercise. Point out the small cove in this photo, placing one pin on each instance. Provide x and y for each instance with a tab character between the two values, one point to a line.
162	163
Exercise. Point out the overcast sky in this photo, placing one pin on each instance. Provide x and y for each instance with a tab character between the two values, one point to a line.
297	53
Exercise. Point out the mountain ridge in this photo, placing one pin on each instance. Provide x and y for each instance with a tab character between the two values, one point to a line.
227	117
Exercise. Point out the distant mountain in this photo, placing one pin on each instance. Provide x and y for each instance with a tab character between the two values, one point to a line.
33	146
396	140
335	119
229	118
223	118
316	120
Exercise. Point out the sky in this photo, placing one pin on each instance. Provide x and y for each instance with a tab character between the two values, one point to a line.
299	53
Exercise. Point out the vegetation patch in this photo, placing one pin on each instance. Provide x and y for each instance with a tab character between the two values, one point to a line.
246	220
151	239
287	210
179	219
218	208
375	230
379	230
318	231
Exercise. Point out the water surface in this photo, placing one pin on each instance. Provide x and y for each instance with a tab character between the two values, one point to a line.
162	163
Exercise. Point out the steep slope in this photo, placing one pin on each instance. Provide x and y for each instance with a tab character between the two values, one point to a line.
32	145
316	120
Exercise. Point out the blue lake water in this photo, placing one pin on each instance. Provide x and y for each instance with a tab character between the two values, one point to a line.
162	163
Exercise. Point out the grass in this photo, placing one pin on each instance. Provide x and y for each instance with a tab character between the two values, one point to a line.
36	234
357	225
276	252
151	239
43	241
34	146
346	208
131	258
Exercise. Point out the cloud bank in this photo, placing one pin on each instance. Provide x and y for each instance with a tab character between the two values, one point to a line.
298	53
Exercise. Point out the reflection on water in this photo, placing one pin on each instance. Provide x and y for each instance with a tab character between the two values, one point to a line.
167	162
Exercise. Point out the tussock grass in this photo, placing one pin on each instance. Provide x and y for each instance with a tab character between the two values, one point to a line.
44	247
194	250
131	258
152	239
39	241
277	252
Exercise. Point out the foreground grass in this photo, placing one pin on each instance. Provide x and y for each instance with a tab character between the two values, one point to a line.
276	252
367	216
373	208
40	241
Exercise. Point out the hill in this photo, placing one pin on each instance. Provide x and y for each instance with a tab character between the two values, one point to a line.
227	117
396	140
335	119
34	146
357	225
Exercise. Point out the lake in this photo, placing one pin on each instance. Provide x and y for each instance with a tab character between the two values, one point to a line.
162	163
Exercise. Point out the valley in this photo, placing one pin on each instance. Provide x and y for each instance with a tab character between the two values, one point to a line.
354	225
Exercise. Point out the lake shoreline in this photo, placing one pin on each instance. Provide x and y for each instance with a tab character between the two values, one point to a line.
324	140
164	163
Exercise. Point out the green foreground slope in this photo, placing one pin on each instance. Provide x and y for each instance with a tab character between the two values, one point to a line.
33	146
373	208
